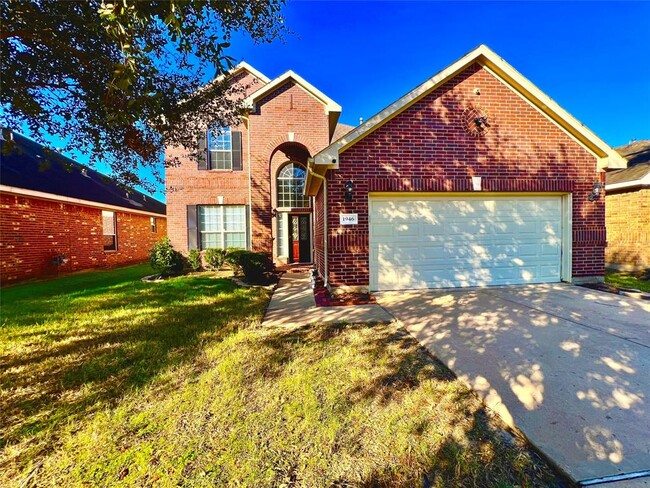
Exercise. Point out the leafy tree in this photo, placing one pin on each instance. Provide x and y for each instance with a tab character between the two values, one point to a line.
122	78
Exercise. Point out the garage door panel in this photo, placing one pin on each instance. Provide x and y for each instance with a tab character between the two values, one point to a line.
445	242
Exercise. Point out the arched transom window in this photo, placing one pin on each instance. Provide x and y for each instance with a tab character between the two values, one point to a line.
291	181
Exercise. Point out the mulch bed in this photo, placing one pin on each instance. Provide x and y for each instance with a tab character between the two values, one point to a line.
324	298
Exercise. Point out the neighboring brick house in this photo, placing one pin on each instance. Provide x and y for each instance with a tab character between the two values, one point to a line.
474	178
247	190
627	212
58	216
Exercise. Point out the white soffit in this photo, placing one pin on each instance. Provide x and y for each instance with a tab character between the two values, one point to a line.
330	105
244	66
607	157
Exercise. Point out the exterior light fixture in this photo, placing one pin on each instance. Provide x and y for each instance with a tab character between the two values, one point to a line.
596	190
349	186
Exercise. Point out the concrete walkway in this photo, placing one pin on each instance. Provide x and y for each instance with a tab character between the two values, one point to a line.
568	366
293	305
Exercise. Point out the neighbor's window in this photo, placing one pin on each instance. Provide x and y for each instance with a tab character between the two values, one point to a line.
219	148
291	181
154	224
109	223
222	226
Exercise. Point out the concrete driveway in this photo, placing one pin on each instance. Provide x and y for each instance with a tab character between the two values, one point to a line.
568	366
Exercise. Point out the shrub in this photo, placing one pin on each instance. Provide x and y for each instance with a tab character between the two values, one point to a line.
255	266
215	258
165	259
194	259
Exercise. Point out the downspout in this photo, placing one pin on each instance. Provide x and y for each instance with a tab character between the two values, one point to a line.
250	187
325	236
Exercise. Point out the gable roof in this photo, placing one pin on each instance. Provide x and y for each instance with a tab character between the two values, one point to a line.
607	157
340	130
637	173
635	152
330	105
31	169
244	66
332	109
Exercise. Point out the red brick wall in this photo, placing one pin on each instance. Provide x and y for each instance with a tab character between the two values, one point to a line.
34	230
425	148
289	109
319	231
627	215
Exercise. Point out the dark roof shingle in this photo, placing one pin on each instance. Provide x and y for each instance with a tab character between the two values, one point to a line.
637	154
31	166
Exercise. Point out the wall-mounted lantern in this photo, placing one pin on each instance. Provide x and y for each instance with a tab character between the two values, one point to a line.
349	187
596	190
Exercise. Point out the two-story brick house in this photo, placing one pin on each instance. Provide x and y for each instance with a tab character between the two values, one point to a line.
247	190
473	178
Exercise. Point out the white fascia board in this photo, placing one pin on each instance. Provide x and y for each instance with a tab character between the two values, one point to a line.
76	201
608	158
330	154
330	105
244	66
508	74
257	74
645	181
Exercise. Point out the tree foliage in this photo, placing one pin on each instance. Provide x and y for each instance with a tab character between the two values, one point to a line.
121	80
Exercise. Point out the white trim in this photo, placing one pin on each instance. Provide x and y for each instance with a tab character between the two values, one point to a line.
330	105
627	184
566	271
565	216
607	157
76	201
244	66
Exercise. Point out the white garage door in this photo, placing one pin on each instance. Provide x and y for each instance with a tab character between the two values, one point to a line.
439	242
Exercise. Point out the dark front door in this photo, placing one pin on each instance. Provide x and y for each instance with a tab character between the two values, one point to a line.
299	239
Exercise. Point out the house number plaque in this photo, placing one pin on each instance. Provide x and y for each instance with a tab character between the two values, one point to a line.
349	219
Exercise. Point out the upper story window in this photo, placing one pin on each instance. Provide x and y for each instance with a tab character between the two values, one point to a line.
220	148
154	224
291	181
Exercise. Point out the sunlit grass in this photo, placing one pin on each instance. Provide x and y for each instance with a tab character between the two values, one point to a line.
117	382
639	280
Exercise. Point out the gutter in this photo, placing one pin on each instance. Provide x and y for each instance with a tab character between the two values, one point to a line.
75	201
325	236
250	189
645	181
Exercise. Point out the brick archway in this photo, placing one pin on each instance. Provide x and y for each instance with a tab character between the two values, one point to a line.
275	143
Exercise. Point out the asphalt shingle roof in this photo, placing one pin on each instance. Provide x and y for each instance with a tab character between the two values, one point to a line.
31	166
637	154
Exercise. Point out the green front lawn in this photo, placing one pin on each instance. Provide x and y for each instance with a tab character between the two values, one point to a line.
638	280
107	380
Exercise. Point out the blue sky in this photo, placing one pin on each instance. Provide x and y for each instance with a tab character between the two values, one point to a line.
593	58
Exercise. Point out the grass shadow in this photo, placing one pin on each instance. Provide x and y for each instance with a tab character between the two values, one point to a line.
80	349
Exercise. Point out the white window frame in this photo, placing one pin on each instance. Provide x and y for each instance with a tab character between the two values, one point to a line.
282	224
292	193
108	214
219	143
222	230
153	222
